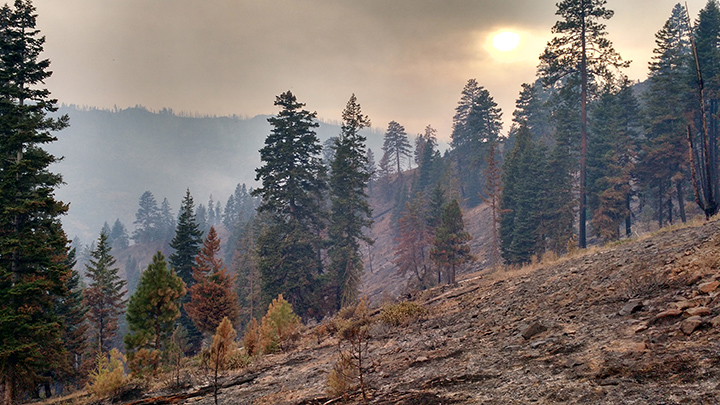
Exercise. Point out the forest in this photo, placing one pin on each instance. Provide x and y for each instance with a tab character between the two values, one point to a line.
590	156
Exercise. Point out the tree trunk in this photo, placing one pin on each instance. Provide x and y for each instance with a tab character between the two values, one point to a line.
628	218
681	200
661	192
583	132
9	388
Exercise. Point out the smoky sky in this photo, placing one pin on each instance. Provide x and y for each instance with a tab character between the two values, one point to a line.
406	60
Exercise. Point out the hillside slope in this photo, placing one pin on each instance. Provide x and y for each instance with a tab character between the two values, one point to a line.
635	323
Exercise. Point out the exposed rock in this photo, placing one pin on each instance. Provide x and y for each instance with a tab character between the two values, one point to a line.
689	325
632	306
698	311
673	312
532	330
709	287
684	304
715	322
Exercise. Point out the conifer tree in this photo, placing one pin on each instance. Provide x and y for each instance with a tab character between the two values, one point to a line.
147	220
74	337
476	124
103	296
612	153
663	154
293	180
521	227
33	259
201	217
245	267
223	344
580	54
531	109
187	241
166	221
212	296
428	159
350	211
493	190
153	309
396	147
450	247
412	252
118	236
702	139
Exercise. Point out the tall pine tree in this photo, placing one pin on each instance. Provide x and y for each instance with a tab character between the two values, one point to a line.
153	309
580	53
450	247
350	211
293	182
186	243
476	124
33	265
103	296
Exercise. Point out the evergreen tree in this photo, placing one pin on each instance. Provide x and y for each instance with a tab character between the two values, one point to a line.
412	252
186	245
245	267
704	151
615	131
351	213
74	336
293	181
663	154
396	147
427	158
371	168
211	212
201	218
212	296
476	124
581	53
521	230
33	265
450	247
167	221
531	109
118	236
493	190
147	220
153	309
103	296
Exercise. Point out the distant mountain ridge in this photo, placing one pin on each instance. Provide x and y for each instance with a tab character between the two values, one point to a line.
112	156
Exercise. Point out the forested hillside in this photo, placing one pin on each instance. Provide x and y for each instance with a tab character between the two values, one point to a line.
198	233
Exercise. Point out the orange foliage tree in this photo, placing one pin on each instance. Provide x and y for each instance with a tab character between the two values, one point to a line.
212	297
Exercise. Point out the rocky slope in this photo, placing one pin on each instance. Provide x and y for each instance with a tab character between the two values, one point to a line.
635	323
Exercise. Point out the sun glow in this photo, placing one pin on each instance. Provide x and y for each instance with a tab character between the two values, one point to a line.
506	41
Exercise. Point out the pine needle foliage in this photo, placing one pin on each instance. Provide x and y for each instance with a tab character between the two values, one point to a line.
212	297
278	326
153	309
33	246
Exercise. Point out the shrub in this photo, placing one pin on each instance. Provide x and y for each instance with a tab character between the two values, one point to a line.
342	378
278	326
144	362
223	344
109	377
251	340
402	313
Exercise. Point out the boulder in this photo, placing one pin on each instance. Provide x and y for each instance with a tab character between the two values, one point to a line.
689	325
532	330
709	287
698	311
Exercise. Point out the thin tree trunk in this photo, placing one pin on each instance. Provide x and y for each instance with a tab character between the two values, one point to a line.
661	192
681	200
628	218
9	388
583	132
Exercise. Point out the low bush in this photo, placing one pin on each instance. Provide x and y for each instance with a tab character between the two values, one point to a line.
108	378
402	313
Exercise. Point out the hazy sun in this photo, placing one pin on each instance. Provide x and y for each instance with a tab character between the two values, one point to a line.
506	41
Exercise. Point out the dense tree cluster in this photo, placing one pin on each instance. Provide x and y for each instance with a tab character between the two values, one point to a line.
588	154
